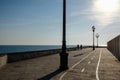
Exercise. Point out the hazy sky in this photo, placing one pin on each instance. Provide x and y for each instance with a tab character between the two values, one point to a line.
39	22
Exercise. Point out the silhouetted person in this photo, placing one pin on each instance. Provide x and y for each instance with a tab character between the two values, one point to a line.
77	46
81	46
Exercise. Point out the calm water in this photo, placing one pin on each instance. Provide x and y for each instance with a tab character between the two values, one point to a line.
21	48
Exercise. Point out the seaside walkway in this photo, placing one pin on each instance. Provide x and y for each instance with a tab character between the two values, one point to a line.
84	64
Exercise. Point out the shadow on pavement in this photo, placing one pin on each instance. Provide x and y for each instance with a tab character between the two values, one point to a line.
51	75
83	53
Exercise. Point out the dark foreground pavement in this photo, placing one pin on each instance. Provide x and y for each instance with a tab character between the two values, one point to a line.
83	65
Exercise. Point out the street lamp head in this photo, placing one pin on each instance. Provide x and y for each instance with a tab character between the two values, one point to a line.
93	28
97	35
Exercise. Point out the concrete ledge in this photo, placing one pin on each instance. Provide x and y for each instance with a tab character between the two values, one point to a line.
3	60
13	57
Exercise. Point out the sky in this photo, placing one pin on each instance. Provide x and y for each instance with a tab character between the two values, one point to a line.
39	22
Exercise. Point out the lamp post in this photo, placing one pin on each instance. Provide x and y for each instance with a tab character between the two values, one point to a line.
97	36
93	28
63	54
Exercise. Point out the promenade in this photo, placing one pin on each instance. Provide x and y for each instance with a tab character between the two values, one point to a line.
84	64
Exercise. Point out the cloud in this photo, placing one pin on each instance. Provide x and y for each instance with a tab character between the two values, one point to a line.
104	19
101	12
82	12
105	13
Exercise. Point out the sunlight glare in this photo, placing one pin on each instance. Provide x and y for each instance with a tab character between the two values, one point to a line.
107	5
105	11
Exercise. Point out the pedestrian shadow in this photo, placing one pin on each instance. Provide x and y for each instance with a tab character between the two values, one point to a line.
77	55
82	53
51	75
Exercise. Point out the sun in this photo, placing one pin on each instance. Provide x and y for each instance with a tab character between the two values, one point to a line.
107	5
105	11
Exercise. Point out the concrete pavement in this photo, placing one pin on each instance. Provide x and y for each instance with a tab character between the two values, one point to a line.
83	65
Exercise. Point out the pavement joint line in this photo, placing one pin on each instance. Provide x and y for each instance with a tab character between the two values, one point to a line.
61	77
83	70
97	77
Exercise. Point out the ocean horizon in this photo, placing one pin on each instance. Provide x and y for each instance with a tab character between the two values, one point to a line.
24	48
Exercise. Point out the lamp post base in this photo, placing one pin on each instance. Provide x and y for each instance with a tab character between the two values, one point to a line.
63	61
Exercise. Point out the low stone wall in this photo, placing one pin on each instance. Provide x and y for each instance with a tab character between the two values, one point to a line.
3	60
114	46
12	57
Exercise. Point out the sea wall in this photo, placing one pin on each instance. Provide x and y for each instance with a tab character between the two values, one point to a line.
114	46
3	60
12	57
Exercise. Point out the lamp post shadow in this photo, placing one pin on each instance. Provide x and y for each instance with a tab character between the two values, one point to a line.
51	75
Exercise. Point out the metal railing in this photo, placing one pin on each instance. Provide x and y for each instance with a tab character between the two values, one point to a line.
114	47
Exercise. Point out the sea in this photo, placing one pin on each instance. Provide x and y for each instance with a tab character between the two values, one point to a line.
23	48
